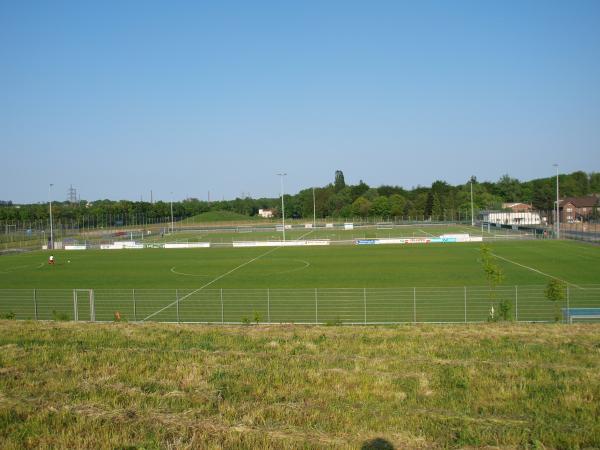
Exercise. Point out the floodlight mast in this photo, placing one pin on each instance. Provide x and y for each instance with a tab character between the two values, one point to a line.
50	204
472	217
281	175
172	226
314	210
557	206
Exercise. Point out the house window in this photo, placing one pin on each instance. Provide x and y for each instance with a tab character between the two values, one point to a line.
569	209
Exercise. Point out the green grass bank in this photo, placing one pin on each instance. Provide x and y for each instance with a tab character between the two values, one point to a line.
69	385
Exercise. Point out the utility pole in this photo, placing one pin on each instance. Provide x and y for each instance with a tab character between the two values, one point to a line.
51	228
172	226
557	206
472	216
281	175
314	209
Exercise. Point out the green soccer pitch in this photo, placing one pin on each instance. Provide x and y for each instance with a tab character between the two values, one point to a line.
197	275
425	265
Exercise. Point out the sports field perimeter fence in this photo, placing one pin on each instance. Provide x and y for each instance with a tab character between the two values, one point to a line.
352	306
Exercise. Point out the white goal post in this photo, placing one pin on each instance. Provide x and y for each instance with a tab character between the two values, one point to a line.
82	300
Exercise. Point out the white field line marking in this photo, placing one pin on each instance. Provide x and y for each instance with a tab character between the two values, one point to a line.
425	232
17	268
538	271
306	264
306	234
475	229
187	274
208	284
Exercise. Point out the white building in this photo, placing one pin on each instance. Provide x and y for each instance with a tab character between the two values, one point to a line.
266	213
512	218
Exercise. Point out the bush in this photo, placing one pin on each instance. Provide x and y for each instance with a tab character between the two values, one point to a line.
8	316
505	310
501	311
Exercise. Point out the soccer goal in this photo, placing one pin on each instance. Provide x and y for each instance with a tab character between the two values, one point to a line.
83	305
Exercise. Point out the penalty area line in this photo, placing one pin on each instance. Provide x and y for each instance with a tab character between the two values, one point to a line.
535	270
208	284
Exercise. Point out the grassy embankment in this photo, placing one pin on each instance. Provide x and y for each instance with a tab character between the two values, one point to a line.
68	385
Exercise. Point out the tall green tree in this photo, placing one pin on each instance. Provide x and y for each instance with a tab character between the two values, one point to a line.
509	189
381	207
361	207
339	182
595	182
358	189
428	210
397	205
436	208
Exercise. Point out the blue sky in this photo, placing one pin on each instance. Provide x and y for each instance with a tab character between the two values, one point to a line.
120	98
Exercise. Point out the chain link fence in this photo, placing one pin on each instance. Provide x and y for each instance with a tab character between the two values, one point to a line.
350	306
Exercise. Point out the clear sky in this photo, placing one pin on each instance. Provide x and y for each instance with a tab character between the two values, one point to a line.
120	98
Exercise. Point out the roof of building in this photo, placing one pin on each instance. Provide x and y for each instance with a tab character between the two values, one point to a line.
581	202
513	204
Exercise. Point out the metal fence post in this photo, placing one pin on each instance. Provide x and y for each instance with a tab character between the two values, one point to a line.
465	304
35	308
568	302
316	307
92	306
365	302
414	305
177	303
134	306
222	316
268	305
516	303
75	317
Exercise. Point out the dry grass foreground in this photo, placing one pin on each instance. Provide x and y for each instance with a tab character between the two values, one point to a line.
68	385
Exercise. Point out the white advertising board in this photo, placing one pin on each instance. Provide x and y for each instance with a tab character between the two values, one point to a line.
121	245
280	243
188	245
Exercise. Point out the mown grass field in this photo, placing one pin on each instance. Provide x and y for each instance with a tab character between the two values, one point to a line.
453	264
68	385
221	216
388	283
263	232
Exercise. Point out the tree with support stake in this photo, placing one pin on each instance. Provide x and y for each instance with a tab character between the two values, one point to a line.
494	275
555	292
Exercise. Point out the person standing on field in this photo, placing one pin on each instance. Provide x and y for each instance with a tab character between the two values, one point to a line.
51	260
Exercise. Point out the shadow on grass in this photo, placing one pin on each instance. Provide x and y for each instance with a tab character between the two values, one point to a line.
376	444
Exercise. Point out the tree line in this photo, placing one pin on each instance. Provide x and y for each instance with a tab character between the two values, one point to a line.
336	199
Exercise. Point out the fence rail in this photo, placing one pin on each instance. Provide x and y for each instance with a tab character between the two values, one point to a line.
307	306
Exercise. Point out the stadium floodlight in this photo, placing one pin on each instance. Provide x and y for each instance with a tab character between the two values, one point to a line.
172	227
50	205
281	175
472	216
314	209
557	206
